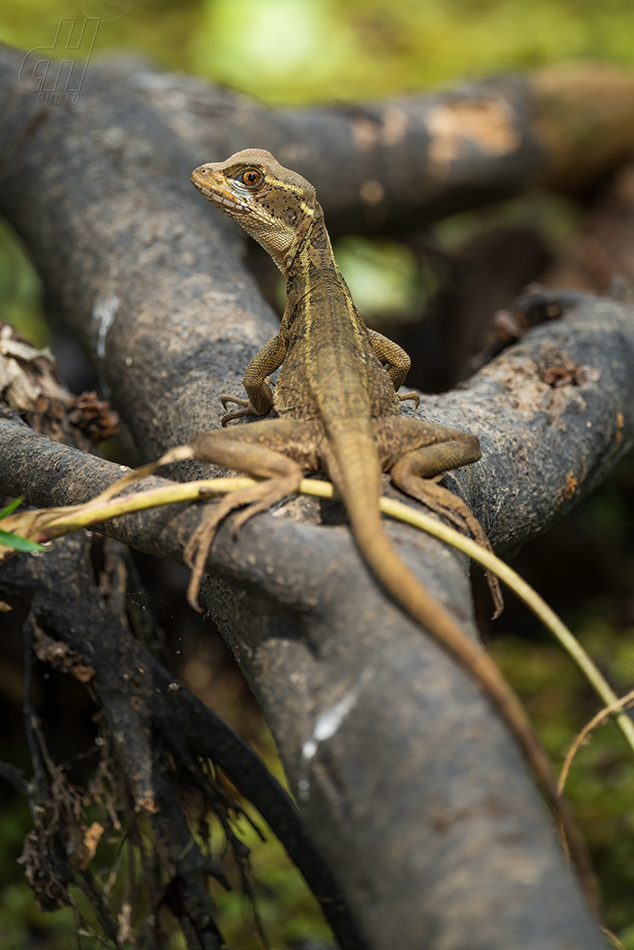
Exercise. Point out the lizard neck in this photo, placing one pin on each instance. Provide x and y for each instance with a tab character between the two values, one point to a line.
313	264
329	348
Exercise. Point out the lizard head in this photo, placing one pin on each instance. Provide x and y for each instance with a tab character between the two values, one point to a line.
275	205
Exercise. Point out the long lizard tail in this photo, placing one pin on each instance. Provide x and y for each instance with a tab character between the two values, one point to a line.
355	470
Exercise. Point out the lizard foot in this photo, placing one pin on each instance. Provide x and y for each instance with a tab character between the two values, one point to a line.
255	499
248	409
264	395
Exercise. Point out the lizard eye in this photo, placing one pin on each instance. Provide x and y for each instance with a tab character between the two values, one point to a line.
250	177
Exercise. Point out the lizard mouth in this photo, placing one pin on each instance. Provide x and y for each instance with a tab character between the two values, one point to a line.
204	180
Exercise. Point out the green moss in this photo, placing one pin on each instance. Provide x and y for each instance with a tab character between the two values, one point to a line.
600	785
20	289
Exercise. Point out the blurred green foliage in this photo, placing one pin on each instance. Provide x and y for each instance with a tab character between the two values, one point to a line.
555	218
383	277
600	784
300	50
287	910
20	289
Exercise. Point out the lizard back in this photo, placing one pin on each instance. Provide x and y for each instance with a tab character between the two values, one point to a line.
329	346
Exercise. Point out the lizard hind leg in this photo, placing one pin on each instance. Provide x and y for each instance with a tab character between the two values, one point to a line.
255	450
425	452
444	503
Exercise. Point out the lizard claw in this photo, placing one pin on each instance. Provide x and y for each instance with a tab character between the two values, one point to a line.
252	500
224	399
410	395
248	410
264	400
195	556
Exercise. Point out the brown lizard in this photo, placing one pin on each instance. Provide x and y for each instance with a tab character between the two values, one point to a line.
339	411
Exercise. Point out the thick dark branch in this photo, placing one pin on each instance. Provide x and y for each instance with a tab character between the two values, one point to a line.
397	800
552	414
411	785
431	155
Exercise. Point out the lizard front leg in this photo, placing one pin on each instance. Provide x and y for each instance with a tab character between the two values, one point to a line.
256	381
276	450
415	453
395	360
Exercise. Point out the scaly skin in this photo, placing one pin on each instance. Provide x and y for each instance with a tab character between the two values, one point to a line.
339	411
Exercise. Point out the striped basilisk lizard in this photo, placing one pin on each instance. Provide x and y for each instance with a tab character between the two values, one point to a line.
338	410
